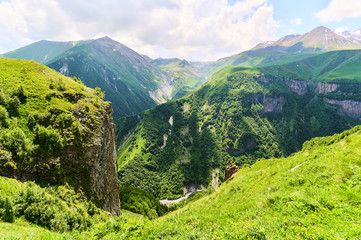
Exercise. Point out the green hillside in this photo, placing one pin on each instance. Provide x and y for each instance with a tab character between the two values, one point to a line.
234	116
313	194
333	66
288	49
42	51
132	82
49	123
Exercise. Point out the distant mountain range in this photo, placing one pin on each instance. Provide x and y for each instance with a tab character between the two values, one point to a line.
285	50
135	82
348	33
132	82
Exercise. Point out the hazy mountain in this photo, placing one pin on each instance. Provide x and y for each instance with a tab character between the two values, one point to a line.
353	34
287	49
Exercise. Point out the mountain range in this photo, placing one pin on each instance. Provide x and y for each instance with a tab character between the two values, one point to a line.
241	137
130	80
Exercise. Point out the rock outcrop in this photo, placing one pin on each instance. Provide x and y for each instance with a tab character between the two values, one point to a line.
347	107
298	86
273	104
94	167
324	88
231	169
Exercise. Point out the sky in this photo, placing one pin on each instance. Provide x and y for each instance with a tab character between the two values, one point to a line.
196	30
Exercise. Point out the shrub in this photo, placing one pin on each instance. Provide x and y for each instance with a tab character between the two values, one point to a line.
48	139
4	115
9	213
19	93
15	141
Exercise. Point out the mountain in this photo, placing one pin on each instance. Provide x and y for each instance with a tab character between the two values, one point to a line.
130	81
56	131
242	114
181	75
353	34
42	51
287	49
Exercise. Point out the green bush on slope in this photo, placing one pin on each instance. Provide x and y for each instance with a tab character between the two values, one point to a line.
56	208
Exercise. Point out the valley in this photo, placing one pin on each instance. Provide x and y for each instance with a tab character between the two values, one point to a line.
102	142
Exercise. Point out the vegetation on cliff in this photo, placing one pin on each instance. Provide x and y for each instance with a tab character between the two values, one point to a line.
48	123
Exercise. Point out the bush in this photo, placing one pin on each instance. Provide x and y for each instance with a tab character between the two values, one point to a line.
19	93
15	141
4	115
48	139
9	213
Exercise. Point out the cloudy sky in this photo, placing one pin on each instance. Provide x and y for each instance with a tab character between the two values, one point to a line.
192	29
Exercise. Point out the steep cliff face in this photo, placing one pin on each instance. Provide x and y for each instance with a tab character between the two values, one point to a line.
273	104
347	107
326	87
297	86
94	167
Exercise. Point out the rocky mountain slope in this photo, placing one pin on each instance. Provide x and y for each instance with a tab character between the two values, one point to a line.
55	130
243	114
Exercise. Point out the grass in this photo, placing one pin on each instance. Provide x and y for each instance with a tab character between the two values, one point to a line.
313	194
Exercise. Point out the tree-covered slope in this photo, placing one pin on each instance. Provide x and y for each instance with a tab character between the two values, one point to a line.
55	130
239	114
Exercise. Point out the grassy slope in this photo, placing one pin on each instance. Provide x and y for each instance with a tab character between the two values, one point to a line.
316	200
333	66
313	194
42	51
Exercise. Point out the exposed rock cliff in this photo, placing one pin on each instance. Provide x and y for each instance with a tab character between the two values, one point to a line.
95	166
347	107
59	132
297	86
272	104
321	87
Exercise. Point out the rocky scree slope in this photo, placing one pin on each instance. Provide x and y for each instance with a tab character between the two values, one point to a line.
55	130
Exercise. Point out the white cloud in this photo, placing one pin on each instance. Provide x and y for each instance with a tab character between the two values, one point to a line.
341	29
340	9
296	21
192	29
